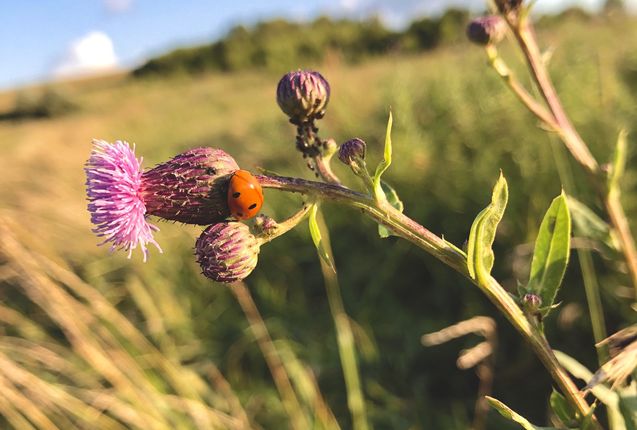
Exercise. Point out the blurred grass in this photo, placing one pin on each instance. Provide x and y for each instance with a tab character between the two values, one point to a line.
455	126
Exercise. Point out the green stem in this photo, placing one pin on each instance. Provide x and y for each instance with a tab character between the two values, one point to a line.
345	341
410	230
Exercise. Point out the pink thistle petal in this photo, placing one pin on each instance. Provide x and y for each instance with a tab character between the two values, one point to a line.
113	183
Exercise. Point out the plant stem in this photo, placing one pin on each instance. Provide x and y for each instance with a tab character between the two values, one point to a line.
410	230
279	375
345	340
525	36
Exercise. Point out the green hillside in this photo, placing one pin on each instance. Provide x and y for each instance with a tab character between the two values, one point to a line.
455	127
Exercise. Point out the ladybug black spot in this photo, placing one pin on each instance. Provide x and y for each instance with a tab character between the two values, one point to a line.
252	206
236	195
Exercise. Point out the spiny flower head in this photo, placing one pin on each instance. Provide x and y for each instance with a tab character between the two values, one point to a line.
303	95
227	251
191	187
113	184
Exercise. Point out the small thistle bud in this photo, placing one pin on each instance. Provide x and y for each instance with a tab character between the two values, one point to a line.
352	151
486	30
264	226
227	251
191	187
531	303
303	95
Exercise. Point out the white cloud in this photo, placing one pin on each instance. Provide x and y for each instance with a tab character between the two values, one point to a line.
117	5
92	53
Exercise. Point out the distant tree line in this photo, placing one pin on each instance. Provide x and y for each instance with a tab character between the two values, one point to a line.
282	45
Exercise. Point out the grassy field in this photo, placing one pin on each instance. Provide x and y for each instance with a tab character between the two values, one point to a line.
455	127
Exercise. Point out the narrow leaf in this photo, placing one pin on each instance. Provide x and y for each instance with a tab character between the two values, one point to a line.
386	162
552	249
619	162
511	415
315	232
392	199
479	253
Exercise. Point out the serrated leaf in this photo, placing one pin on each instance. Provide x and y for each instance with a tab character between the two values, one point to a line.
562	408
619	163
480	255
552	250
511	415
392	198
315	232
386	161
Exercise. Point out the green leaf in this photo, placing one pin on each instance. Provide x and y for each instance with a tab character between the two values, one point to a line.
479	253
552	249
386	162
588	224
511	415
392	199
562	409
315	232
619	163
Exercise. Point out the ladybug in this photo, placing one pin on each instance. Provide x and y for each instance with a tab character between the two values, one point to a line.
245	195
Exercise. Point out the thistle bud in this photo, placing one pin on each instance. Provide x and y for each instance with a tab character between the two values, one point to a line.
191	187
352	151
264	226
227	251
531	303
303	95
486	30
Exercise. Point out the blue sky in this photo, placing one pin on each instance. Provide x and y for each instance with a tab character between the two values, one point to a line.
44	39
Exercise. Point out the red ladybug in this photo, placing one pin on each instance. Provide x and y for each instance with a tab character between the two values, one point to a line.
245	195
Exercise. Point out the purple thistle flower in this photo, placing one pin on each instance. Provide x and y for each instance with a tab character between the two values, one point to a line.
113	185
192	187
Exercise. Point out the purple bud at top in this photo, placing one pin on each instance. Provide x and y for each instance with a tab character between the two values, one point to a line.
227	251
486	30
351	151
531	302
191	187
113	187
303	95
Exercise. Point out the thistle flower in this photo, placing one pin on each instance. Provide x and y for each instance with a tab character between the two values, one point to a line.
191	187
227	251
486	30
113	184
303	95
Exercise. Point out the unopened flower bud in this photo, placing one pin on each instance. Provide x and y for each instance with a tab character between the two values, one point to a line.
531	303
227	251
303	95
486	30
265	226
191	187
352	151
